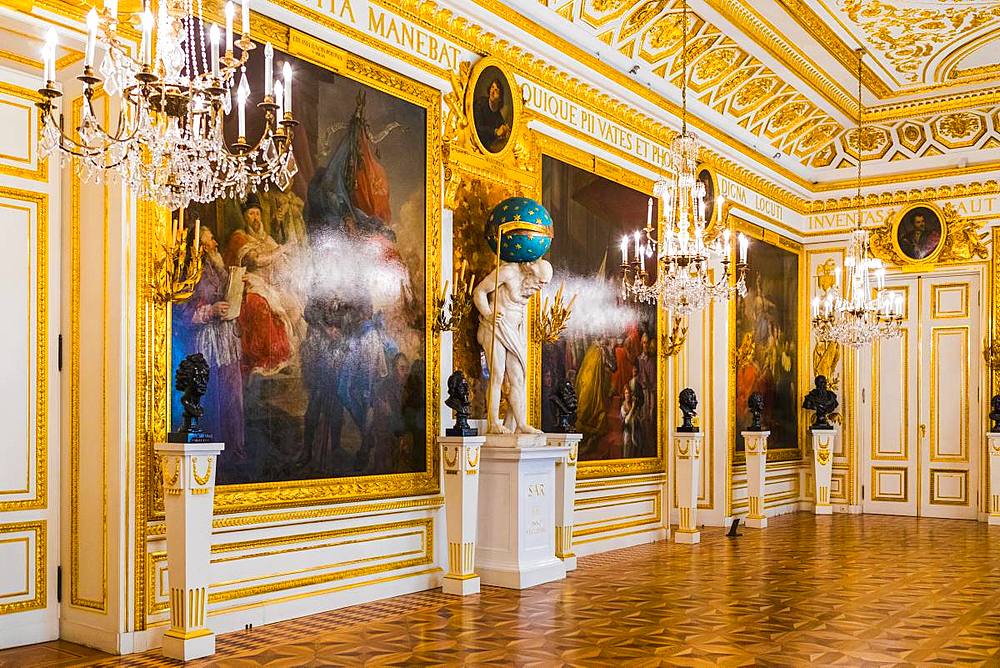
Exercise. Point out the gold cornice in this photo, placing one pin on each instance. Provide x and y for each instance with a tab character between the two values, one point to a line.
927	107
975	189
803	13
904	177
747	19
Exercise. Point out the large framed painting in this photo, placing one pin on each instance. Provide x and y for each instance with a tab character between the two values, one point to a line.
610	351
313	305
767	339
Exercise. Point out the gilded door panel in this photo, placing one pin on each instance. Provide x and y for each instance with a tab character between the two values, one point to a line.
892	482
949	406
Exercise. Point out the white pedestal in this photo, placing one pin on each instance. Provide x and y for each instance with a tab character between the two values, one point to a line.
756	452
565	495
993	442
188	492
460	456
822	442
687	455
516	542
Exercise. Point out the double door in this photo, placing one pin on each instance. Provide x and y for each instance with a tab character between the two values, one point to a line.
923	402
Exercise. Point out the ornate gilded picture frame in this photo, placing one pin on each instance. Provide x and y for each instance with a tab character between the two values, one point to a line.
919	233
155	322
770	356
494	107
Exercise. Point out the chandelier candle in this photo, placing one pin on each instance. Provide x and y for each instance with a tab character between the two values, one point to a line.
245	17
268	72
185	83
230	11
287	72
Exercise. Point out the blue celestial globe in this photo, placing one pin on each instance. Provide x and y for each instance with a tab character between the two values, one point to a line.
527	233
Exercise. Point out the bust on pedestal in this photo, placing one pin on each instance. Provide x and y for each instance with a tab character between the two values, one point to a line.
993	449
688	442
822	402
755	440
187	462
461	451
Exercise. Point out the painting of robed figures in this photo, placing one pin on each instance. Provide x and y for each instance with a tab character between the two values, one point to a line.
767	344
609	350
310	309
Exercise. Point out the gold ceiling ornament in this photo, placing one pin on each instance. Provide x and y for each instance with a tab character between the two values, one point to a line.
960	241
911	37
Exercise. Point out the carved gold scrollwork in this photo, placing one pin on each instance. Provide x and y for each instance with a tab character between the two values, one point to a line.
472	457
674	341
823	455
961	241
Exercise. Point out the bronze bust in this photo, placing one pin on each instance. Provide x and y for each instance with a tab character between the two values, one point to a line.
564	404
191	379
458	401
823	402
688	402
755	404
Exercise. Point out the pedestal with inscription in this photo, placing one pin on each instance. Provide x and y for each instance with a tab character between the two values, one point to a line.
756	452
565	495
460	457
993	445
188	492
822	445
516	541
687	455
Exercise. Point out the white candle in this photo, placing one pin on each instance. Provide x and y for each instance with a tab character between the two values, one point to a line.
213	38
268	70
230	11
49	54
279	98
625	249
637	251
287	72
726	248
744	246
836	277
649	213
815	307
245	17
242	92
92	23
111	7
147	37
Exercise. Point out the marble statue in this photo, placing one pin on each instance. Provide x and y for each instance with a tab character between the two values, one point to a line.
688	402
458	401
564	405
823	402
995	413
507	289
755	404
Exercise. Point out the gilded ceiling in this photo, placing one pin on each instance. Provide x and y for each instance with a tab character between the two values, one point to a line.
915	46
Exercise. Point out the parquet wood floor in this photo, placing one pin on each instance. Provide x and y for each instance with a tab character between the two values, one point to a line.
819	591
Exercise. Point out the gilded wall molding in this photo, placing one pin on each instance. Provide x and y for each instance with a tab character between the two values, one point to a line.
36	571
39	211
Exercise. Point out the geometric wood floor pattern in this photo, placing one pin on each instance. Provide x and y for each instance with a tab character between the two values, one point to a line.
823	591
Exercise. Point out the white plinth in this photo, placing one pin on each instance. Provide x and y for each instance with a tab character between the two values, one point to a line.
460	456
993	441
687	456
565	495
188	492
822	446
516	542
756	452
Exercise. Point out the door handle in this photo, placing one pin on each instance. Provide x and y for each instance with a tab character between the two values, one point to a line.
923	431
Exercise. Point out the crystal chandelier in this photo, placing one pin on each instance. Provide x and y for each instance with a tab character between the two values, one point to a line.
860	310
168	144
683	283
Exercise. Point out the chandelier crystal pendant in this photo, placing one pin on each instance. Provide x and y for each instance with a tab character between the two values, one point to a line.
683	282
858	310
168	144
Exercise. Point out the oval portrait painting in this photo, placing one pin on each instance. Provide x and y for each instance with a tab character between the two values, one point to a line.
708	181
919	233
493	109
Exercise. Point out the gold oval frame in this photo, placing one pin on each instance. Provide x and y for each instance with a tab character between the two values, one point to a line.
894	232
716	217
517	112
